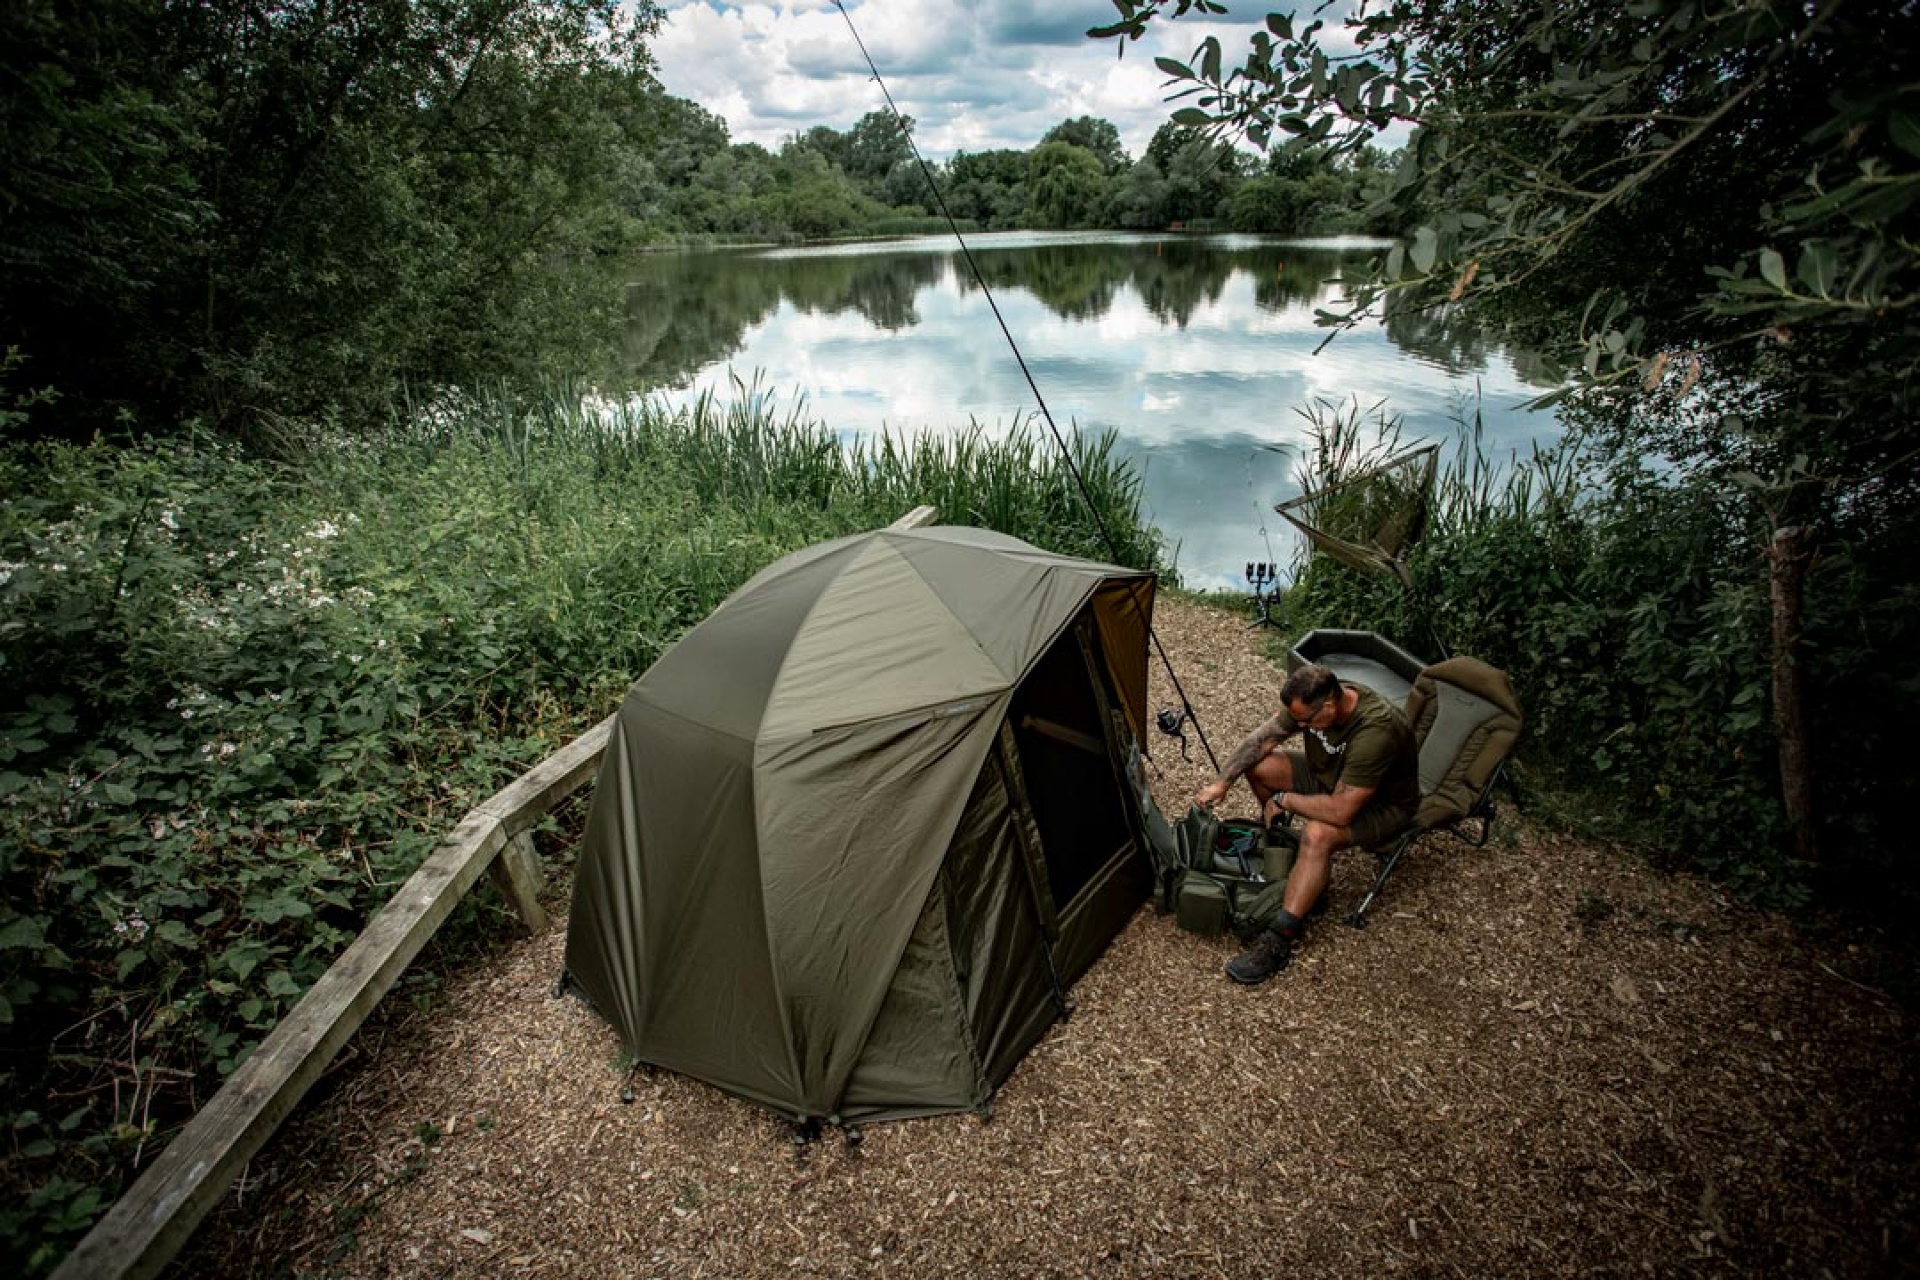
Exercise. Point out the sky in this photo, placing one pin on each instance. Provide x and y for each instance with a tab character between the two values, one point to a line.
974	75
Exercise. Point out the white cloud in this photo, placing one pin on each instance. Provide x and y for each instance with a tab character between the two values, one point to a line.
973	76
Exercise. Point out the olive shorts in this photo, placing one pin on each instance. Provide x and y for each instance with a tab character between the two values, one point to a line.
1374	825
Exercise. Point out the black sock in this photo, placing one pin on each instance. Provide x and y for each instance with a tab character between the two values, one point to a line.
1288	925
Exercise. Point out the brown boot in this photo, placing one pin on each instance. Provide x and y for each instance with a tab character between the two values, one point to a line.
1267	956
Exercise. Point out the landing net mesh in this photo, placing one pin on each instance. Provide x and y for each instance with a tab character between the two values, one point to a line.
1370	520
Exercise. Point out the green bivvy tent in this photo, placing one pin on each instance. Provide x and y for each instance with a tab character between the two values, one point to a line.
858	831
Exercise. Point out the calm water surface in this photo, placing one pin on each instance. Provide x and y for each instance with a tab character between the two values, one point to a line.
1198	351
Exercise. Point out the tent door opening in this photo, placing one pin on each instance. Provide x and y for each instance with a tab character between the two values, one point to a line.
1062	722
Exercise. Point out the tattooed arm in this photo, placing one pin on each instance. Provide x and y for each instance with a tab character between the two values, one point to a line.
1246	755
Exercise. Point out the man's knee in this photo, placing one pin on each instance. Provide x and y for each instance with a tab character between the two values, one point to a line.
1272	772
1323	839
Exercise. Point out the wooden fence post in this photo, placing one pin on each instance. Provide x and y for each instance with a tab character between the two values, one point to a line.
516	874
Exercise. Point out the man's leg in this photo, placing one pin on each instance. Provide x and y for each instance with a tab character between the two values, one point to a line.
1313	865
1283	913
1270	775
1319	841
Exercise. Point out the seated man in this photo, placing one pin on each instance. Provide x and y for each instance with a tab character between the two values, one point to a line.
1356	782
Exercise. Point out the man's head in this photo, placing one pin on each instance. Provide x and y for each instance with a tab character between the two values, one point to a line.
1311	695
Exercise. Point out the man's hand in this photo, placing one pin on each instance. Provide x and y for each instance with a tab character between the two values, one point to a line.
1212	794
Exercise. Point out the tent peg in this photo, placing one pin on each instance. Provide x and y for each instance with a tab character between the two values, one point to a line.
626	1089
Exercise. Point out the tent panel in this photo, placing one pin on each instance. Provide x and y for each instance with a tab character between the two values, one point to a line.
723	670
1016	610
999	942
1071	779
919	1057
665	936
1091	922
853	825
877	641
1123	613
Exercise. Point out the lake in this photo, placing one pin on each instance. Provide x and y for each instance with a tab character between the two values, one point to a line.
1198	351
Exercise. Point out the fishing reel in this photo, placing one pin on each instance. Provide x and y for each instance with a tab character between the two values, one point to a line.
1174	725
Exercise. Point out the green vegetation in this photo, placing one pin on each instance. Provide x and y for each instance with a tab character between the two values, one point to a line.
1706	214
266	637
249	696
264	214
1631	609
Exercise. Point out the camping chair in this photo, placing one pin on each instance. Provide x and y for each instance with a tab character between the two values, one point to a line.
1465	718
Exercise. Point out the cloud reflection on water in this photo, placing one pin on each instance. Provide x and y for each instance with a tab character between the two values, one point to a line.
1198	352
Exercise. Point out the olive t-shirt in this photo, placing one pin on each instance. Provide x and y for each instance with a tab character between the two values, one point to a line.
1373	749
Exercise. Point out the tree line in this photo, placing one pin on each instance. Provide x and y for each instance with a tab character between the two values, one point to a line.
825	182
263	215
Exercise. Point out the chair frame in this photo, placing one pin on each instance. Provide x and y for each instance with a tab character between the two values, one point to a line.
1483	812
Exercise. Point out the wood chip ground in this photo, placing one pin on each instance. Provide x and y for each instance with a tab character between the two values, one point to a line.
1542	1059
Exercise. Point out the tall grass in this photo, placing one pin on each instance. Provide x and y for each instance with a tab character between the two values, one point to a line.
243	699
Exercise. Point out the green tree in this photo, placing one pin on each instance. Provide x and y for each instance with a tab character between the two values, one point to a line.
824	139
1093	134
877	146
219	207
1065	185
1137	198
1300	193
987	187
1201	171
814	200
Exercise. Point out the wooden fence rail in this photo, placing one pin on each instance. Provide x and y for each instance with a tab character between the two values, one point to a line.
147	1226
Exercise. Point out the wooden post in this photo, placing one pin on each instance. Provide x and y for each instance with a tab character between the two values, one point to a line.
1789	556
516	874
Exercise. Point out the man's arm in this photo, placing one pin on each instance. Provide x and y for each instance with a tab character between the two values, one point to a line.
1246	755
1338	809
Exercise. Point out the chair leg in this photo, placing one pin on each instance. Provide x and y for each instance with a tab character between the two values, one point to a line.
1356	918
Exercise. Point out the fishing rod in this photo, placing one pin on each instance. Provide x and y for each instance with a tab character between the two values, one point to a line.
1188	714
